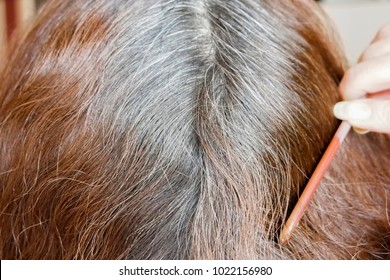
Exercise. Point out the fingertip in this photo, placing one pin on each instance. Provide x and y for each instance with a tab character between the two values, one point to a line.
339	110
357	110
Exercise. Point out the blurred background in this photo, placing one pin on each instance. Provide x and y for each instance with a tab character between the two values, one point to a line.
356	20
14	13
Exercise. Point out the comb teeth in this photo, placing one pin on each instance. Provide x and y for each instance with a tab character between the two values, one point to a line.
314	182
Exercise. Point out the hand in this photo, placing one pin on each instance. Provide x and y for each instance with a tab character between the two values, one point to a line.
366	87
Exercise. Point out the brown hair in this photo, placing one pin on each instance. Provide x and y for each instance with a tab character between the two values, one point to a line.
181	130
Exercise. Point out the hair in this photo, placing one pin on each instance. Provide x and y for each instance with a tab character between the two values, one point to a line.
182	129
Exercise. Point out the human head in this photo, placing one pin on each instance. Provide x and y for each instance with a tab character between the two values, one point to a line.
163	129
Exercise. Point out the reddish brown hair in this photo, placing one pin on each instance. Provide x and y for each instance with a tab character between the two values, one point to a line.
181	129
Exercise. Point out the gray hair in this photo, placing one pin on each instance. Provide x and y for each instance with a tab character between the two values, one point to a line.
173	130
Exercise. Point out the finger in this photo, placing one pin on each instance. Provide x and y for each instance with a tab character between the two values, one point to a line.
366	77
370	114
375	50
383	33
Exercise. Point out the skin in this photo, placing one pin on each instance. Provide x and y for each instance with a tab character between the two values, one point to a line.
365	87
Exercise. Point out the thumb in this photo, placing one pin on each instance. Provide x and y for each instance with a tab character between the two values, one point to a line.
371	114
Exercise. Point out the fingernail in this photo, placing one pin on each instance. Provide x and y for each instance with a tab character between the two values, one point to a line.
360	130
352	111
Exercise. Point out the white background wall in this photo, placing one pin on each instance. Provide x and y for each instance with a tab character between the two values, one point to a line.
358	21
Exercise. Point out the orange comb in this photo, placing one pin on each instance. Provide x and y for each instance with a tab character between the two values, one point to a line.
314	182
